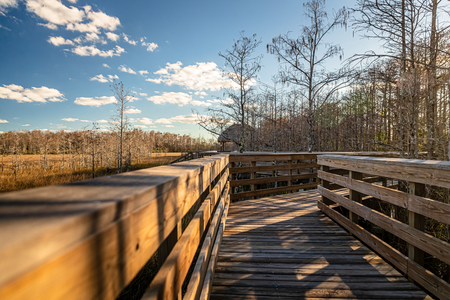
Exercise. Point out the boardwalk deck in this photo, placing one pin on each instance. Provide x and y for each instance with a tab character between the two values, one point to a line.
283	247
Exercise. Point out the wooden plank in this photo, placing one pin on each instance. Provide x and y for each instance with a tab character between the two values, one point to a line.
427	207
196	281
207	284
431	282
271	168
272	191
271	157
422	240
416	221
264	180
355	195
169	279
430	172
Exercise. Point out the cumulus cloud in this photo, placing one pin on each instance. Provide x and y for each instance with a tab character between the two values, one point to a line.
143	72
189	119
85	121
140	126
54	12
5	4
106	66
59	40
143	94
123	68
102	121
99	78
49	25
95	101
112	36
145	121
198	77
3	121
132	110
150	46
34	94
128	40
179	98
70	119
169	126
112	77
93	51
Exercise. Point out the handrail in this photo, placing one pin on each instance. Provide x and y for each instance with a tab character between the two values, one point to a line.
88	240
259	174
416	173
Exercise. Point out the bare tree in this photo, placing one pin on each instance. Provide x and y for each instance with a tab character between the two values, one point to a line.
241	68
120	122
303	59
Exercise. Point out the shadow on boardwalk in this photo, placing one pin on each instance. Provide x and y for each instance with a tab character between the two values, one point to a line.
283	247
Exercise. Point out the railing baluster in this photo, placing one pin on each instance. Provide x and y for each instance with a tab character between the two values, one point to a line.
326	184
354	195
416	221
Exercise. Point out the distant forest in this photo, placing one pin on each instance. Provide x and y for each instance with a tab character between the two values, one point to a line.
393	100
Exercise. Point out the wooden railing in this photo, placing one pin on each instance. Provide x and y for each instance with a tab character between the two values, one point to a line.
88	240
257	175
413	176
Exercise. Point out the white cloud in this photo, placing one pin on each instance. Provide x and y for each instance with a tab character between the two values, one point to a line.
102	121
189	119
106	66
26	125
143	94
145	121
85	121
168	126
59	40
4	4
198	77
179	98
72	1
93	37
132	110
112	36
151	47
112	77
53	11
143	72
220	101
140	126
128	40
99	78
123	68
49	25
93	51
70	119
34	94
95	101
3	121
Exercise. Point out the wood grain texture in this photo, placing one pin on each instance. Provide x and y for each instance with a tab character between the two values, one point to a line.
87	240
283	247
418	238
430	172
430	208
264	192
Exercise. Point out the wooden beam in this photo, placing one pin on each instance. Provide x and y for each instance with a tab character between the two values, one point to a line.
272	191
355	195
422	240
428	280
416	221
430	172
427	207
271	168
244	182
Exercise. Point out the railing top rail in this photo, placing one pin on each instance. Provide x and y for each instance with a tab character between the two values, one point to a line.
37	224
430	172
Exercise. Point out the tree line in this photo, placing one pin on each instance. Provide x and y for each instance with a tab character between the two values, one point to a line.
396	100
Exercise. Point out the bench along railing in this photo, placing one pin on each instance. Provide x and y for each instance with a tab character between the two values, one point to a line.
414	174
258	175
88	240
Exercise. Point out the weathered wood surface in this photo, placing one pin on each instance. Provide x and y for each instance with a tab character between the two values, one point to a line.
87	240
283	247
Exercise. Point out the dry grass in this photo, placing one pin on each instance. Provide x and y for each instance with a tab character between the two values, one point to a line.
30	175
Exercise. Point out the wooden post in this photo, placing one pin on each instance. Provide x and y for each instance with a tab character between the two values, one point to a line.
253	176
354	195
290	174
232	178
326	184
416	221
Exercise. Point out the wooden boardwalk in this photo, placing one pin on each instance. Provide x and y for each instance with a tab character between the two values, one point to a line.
283	247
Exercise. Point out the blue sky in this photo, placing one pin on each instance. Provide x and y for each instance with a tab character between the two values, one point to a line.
58	57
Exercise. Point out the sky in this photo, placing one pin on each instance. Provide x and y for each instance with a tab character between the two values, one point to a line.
59	57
